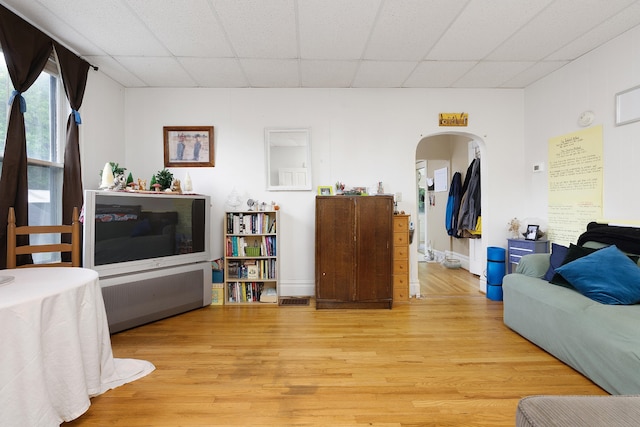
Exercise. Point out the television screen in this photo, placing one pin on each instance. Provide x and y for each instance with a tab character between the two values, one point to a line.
123	228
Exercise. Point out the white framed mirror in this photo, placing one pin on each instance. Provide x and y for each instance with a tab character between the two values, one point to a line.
288	156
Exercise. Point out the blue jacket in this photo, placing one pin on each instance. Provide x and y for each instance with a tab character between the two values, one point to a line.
453	204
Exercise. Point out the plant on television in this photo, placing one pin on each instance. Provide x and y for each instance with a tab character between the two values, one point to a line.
164	178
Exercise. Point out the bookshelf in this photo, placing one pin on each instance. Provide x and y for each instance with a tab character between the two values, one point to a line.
251	257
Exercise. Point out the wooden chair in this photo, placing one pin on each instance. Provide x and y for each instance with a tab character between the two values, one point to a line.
13	250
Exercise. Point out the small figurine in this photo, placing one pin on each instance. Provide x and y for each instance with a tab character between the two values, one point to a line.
142	184
188	187
175	187
119	182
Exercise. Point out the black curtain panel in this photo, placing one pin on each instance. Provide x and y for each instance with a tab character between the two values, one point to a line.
26	51
74	76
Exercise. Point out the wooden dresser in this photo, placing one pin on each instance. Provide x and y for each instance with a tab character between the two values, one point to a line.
400	258
354	251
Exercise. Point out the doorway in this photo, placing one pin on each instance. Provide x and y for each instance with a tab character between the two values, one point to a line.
449	152
421	186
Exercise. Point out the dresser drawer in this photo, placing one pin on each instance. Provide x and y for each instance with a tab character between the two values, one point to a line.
517	248
401	287
400	239
401	224
400	252
401	266
400	295
400	280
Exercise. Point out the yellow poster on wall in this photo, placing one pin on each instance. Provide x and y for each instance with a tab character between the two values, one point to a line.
575	183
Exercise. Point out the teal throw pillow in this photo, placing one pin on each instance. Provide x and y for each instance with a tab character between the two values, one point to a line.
573	253
607	276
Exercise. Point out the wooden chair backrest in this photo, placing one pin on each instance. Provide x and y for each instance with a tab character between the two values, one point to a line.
13	250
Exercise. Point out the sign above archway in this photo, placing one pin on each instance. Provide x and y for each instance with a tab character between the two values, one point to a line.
453	119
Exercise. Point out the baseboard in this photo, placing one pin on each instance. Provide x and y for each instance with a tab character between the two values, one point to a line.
297	288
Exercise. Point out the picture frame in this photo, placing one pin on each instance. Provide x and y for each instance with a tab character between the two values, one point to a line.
325	190
188	146
532	232
628	106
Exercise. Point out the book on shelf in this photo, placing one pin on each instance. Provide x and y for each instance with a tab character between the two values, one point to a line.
264	269
244	292
268	245
251	222
253	271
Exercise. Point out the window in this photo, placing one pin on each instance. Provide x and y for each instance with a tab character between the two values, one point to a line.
45	143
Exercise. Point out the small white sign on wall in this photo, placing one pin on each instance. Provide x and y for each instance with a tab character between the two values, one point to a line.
440	177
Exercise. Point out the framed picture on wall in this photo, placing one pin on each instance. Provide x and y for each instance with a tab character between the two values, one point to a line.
188	146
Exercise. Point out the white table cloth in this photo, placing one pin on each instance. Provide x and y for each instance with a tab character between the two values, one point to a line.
55	346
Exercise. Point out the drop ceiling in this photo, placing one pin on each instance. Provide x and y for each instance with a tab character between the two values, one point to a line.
330	43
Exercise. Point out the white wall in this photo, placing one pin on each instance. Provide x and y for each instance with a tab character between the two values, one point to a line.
101	133
358	136
552	107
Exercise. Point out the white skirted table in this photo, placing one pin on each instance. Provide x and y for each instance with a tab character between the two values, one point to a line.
55	346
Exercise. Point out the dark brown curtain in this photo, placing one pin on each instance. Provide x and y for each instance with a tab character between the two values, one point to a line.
74	75
26	51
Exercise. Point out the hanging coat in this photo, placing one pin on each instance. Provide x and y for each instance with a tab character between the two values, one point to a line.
453	204
470	205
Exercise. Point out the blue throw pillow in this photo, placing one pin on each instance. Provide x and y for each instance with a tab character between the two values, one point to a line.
607	276
558	254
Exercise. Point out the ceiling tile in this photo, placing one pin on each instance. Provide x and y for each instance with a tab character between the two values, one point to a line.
335	29
495	74
186	28
383	73
407	29
327	73
110	67
260	29
609	29
157	71
215	72
438	73
271	72
534	73
556	26
330	43
109	24
39	16
482	26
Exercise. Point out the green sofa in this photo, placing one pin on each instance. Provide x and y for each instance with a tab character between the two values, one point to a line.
601	341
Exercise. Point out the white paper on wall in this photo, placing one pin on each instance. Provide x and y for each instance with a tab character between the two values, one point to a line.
440	178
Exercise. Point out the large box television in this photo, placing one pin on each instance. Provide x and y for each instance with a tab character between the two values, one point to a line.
128	232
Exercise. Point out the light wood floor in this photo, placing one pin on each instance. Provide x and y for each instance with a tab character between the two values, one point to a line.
445	359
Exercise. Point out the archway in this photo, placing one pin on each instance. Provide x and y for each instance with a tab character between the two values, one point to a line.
451	152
